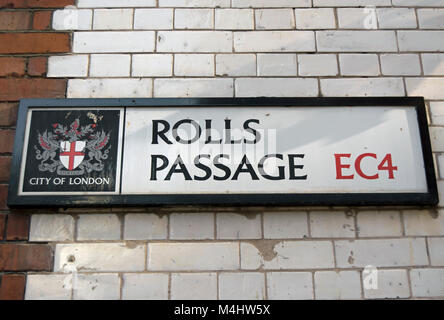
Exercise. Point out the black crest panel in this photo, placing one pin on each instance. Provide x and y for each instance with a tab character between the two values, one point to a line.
72	151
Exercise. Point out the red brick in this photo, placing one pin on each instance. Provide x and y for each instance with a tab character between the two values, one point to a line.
36	42
17	227
15	20
8	114
5	166
14	67
35	3
12	287
6	141
16	89
42	20
2	226
37	66
3	196
25	257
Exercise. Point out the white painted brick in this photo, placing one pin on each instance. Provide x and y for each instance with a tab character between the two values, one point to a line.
110	88
241	286
194	3
194	65
441	193
68	66
289	285
115	3
110	65
359	64
381	253
356	41
153	19
276	87
234	19
415	3
51	227
191	226
152	65
72	19
145	286
424	41
348	3
275	19
286	255
436	246
194	286
429	88
357	18
194	41
440	160
277	64
362	87
113	19
328	224
431	18
437	113
97	287
379	224
318	65
193	88
433	64
236	65
193	256
112	257
48	287
424	222
396	18
145	227
285	225
98	227
323	18
427	282
274	41
437	138
193	19
238	226
392	284
268	3
400	64
337	285
113	41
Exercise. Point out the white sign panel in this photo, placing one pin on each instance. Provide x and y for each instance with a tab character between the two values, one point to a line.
272	150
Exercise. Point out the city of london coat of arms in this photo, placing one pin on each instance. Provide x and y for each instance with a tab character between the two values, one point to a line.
72	150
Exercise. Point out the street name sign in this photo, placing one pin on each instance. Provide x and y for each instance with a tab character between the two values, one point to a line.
205	151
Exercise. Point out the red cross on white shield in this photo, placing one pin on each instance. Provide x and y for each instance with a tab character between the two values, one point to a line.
72	154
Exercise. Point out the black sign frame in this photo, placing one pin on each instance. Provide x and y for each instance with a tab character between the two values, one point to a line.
429	198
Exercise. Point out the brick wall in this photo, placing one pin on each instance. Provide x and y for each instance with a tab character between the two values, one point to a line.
26	42
222	48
